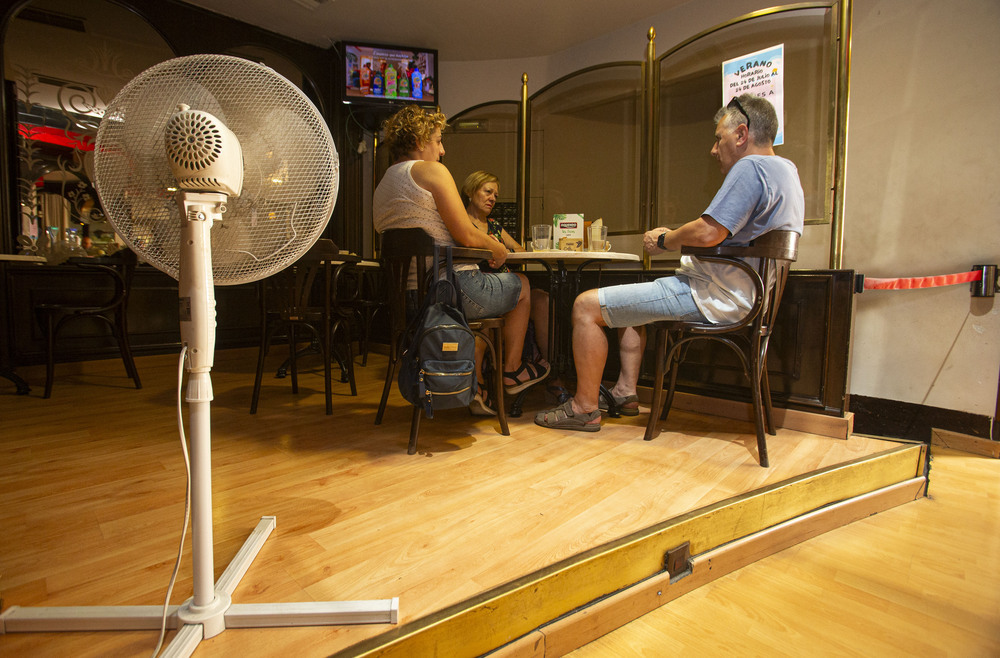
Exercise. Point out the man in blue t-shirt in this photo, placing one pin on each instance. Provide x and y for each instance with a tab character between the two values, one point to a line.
761	192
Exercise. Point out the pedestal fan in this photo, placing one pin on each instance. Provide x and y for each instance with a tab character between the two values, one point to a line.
216	170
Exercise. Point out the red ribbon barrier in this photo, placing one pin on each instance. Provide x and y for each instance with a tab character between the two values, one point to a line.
923	281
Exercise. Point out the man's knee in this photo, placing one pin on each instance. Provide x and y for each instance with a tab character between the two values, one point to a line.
587	308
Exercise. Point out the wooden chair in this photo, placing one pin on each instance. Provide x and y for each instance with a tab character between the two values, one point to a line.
112	310
300	298
748	338
363	292
401	250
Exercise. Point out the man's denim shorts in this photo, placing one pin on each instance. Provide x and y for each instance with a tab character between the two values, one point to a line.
635	304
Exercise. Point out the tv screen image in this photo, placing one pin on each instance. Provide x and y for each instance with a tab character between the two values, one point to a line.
389	74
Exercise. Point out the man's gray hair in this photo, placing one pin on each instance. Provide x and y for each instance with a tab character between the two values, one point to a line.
763	118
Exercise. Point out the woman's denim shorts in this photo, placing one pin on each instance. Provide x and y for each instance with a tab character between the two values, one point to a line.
488	294
635	304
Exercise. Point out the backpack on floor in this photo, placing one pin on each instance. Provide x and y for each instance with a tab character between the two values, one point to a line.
438	367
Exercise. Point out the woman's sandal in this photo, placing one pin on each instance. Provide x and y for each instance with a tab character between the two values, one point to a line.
564	418
620	402
535	373
480	405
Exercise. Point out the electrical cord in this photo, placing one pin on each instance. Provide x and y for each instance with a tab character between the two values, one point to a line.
187	499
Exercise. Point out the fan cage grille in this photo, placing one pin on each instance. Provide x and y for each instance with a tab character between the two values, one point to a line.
291	166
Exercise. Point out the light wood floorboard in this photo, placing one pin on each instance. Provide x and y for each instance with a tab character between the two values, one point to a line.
93	484
922	579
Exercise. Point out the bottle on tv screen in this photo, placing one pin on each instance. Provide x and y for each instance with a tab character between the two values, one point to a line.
379	74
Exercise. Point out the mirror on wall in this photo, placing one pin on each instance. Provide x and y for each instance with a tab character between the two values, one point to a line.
63	62
582	127
485	138
690	93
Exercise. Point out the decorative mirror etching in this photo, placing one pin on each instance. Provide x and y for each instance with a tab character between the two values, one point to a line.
64	62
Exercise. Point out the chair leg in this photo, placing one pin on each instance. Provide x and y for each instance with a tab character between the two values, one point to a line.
754	374
498	379
367	317
125	348
675	364
765	390
292	363
261	354
369	322
50	363
326	346
348	368
661	344
414	429
390	375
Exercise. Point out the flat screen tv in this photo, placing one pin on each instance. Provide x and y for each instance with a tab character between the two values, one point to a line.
389	75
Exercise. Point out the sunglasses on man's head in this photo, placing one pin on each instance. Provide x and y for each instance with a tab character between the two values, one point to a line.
736	103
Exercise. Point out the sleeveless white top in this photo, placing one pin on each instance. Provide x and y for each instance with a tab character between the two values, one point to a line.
399	202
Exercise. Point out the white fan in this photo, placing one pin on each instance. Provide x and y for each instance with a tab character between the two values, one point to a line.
216	170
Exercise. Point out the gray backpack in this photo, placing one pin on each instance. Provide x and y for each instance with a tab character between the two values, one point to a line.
438	367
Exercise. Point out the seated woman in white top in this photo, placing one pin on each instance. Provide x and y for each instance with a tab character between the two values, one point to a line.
419	191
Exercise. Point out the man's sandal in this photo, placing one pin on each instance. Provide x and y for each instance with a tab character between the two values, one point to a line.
533	373
620	402
564	418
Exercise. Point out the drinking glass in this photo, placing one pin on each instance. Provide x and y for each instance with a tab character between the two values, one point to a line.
598	238
541	237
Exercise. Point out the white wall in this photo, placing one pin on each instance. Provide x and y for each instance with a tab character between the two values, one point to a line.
923	197
923	191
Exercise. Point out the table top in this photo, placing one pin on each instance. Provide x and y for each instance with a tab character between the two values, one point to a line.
22	258
572	256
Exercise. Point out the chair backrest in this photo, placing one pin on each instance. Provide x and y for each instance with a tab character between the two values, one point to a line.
120	267
403	249
775	251
292	292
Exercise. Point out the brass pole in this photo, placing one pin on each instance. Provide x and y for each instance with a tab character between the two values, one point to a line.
376	242
647	166
840	171
523	131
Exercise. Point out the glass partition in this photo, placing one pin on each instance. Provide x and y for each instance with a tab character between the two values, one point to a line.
484	138
64	61
690	92
585	147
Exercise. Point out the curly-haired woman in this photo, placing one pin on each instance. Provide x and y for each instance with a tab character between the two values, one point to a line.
418	191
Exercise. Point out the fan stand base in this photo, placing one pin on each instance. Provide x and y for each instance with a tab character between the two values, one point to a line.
199	623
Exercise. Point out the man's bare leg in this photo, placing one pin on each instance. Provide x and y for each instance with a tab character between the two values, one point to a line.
590	351
632	344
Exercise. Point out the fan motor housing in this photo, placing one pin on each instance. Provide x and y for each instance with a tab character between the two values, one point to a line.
205	156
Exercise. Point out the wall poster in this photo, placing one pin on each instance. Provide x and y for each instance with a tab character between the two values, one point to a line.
760	73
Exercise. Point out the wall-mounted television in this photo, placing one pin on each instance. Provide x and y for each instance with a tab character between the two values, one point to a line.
388	75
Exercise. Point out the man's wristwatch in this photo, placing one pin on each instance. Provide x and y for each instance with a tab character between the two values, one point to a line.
659	240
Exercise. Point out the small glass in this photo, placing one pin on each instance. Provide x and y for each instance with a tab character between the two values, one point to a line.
598	238
541	237
74	244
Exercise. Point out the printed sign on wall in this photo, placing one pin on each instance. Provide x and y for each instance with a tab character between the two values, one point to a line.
761	74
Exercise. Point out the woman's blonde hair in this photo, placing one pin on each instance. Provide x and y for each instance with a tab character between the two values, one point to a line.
410	129
474	181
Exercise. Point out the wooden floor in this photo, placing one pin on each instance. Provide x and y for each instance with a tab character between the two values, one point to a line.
922	579
93	490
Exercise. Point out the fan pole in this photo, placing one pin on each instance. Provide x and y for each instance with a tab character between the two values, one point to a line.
197	315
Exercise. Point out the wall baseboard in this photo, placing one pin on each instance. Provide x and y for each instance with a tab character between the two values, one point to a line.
965	443
916	422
